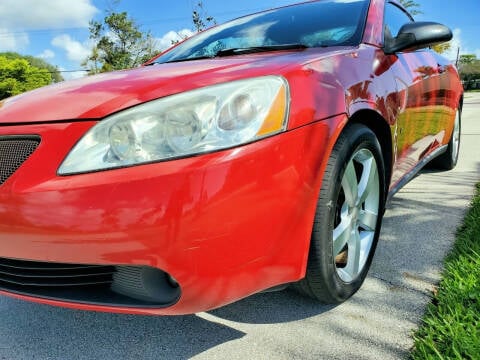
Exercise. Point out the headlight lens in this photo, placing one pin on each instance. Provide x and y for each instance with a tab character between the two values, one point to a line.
194	122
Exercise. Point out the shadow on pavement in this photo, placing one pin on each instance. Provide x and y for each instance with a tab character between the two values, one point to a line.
272	308
33	331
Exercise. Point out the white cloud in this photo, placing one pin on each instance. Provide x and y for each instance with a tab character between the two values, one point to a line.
456	43
34	14
76	51
165	41
46	54
67	75
13	40
18	17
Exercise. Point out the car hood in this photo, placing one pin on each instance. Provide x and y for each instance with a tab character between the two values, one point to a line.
95	97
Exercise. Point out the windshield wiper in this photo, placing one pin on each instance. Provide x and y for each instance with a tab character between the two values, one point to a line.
189	59
257	49
240	51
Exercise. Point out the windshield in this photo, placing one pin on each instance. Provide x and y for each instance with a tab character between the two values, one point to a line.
313	24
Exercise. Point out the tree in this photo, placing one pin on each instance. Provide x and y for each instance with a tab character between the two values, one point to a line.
411	6
201	20
467	59
118	44
441	48
469	68
18	76
38	63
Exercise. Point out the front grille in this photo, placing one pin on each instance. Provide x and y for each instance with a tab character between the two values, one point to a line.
111	285
14	150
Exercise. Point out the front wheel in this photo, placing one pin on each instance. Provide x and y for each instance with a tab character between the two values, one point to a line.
348	217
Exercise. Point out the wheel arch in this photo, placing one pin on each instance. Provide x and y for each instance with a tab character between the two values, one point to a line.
375	122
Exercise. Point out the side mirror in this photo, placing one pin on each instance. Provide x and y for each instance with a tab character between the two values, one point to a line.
418	35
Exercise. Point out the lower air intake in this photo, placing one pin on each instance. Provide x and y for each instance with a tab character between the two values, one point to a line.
109	285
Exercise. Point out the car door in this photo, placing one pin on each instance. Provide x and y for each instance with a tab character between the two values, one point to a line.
419	125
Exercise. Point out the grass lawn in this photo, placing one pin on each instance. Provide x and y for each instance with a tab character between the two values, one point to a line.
451	325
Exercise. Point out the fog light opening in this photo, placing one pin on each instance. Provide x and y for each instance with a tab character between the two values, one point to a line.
145	283
172	281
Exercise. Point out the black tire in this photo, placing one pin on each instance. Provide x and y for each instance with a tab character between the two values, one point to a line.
326	277
448	160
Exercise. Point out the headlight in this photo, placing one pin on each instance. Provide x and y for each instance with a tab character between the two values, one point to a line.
194	122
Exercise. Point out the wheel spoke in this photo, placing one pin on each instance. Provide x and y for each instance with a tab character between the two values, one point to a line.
356	247
349	184
367	220
351	270
366	240
456	137
367	182
341	235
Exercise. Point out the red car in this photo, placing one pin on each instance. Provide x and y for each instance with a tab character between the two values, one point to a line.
256	154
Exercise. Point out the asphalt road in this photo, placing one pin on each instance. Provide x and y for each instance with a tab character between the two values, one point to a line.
376	323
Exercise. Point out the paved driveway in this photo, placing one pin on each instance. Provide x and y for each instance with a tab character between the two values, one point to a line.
375	324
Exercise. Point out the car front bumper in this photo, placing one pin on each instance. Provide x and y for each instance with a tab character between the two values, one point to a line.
224	225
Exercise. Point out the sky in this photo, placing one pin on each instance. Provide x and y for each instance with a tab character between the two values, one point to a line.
57	30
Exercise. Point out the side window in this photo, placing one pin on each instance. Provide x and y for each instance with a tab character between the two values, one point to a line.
395	18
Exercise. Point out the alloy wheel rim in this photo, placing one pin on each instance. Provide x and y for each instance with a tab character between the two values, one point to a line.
456	137
356	215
